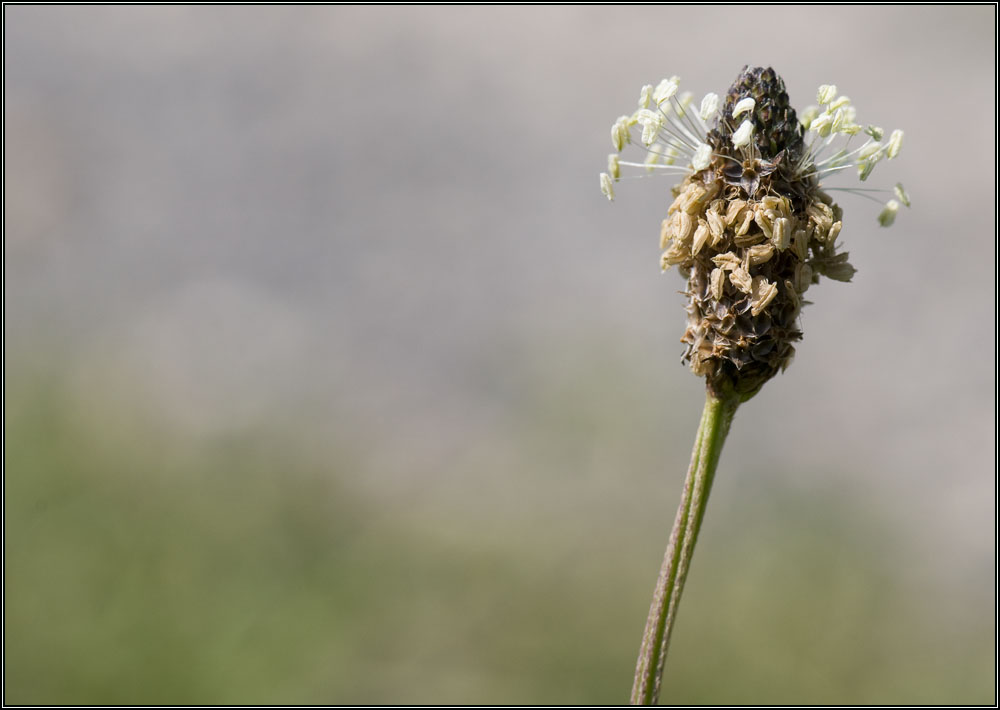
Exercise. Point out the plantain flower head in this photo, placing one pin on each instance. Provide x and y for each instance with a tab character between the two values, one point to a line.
752	225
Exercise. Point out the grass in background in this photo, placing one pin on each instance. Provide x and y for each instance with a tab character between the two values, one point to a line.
145	567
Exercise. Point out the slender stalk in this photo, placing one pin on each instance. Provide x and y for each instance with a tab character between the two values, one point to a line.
715	421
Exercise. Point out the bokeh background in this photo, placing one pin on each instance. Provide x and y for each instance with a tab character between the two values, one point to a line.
331	377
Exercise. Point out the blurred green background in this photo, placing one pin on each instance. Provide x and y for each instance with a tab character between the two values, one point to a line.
330	377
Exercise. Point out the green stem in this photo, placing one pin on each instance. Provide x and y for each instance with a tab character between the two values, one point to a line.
715	421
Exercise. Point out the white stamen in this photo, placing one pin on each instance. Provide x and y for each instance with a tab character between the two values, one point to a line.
875	132
807	117
619	133
843	119
644	96
607	187
839	102
743	106
709	106
870	149
651	122
825	94
666	89
822	124
743	134
901	194
895	141
613	166
702	157
888	215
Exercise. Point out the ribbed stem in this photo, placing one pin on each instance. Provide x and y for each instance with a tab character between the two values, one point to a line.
715	421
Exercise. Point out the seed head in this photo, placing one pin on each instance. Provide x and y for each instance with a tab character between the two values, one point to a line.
751	226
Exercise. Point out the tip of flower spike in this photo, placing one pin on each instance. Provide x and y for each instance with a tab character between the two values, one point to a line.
607	186
754	114
888	215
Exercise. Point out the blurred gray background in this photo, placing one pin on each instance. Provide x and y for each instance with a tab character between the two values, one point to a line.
331	377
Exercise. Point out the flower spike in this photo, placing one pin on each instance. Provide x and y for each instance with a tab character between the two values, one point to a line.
752	222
